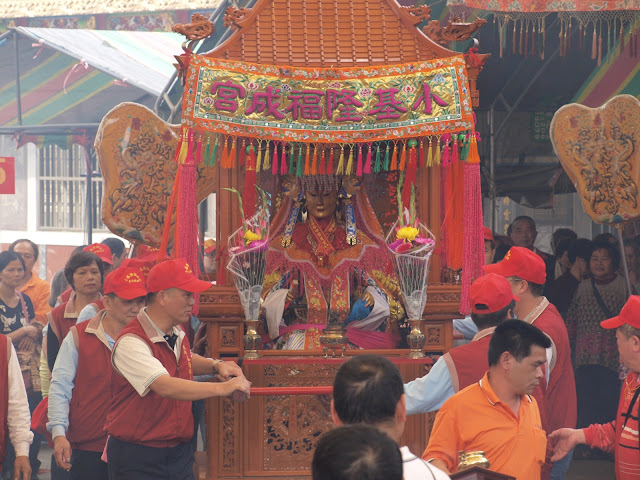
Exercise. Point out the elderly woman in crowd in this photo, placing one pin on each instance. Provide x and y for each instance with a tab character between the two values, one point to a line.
595	354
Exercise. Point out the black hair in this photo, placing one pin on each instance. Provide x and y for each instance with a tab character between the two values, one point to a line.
356	452
486	320
606	237
151	297
82	259
563	246
517	219
559	235
517	338
26	240
367	389
115	245
580	248
536	289
614	253
7	257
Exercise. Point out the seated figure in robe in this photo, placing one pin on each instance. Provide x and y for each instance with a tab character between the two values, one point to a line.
327	262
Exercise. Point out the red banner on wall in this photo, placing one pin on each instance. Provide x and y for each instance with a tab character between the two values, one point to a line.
7	175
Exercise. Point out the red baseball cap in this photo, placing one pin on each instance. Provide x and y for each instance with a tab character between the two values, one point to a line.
125	282
175	274
490	293
488	234
142	265
102	251
630	315
520	262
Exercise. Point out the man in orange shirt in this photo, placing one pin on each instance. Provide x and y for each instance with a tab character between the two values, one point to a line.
498	415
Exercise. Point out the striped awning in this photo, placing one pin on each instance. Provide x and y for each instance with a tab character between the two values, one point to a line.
77	76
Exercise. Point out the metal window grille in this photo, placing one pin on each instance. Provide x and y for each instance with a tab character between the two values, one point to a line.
63	189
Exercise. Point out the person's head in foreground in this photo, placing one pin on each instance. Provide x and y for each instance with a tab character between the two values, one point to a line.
369	389
492	301
356	452
489	245
171	286
516	356
627	326
124	294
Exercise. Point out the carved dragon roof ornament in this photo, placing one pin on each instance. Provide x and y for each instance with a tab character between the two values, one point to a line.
454	31
419	12
234	16
199	28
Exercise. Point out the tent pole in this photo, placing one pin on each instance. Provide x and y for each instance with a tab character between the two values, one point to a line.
492	168
18	94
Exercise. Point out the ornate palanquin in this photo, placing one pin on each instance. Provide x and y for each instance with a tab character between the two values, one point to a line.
274	436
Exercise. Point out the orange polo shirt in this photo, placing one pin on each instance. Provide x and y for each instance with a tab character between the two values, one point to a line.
475	419
38	291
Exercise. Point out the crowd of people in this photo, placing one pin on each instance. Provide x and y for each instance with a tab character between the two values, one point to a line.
93	365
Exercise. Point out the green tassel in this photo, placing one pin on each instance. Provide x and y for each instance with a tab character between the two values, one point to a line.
386	158
214	151
205	156
300	169
291	152
377	165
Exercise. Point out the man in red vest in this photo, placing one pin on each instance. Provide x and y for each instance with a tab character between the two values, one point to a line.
80	392
15	424
526	273
150	421
491	303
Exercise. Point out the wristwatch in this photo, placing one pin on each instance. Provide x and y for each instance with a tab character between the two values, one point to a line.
213	366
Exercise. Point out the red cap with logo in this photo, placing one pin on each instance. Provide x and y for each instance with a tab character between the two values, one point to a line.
175	274
125	282
102	251
490	294
142	265
488	234
520	262
630	315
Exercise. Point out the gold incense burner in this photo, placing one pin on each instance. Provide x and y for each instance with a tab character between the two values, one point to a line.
472	459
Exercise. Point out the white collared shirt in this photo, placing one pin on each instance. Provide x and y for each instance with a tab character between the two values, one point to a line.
133	359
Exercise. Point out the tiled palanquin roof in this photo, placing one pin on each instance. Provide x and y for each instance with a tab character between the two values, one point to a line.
48	8
328	33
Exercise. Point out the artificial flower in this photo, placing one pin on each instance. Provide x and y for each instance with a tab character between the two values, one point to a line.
407	233
250	236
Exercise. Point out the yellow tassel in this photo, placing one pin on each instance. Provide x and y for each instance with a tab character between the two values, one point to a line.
184	147
394	159
307	167
340	169
403	157
474	156
314	162
430	154
259	159
350	162
266	164
436	158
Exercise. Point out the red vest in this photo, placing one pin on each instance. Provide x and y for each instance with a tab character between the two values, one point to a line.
561	406
5	353
92	390
151	420
61	324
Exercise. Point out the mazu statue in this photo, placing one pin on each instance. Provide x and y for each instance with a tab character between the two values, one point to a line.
328	263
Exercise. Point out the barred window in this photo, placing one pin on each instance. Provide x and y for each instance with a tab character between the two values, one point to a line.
63	190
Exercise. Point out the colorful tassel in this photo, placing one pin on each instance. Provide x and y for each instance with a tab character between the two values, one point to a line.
266	159
394	158
436	156
411	171
243	153
198	156
386	157
283	160
274	164
189	157
291	159
360	167
340	169
181	151
214	152
350	162
321	168
330	164
446	161
474	156
259	158
455	157
367	165
300	167
232	154
249	191
378	164
430	154
307	167
314	162
207	151
403	158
